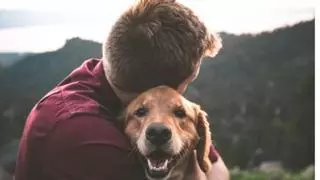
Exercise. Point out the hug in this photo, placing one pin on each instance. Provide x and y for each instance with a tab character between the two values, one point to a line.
123	117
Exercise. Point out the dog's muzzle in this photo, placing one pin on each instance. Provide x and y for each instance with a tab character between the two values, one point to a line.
158	162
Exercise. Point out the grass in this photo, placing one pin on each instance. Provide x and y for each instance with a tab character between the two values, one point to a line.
279	174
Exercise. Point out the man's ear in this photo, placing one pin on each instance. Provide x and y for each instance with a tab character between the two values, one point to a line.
203	146
213	44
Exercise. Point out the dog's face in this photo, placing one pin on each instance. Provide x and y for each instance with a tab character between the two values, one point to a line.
164	126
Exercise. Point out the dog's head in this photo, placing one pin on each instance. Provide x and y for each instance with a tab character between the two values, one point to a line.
164	126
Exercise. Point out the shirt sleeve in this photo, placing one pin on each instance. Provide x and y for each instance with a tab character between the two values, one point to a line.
89	148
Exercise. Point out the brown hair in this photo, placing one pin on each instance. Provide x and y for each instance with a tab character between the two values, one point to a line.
156	42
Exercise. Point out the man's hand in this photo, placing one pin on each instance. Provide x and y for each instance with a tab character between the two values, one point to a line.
218	171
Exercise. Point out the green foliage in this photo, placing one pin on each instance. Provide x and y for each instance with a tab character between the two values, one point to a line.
274	175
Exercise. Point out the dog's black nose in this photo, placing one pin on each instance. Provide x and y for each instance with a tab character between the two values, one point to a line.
158	134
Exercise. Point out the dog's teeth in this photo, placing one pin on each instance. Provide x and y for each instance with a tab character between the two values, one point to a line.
165	164
149	164
155	168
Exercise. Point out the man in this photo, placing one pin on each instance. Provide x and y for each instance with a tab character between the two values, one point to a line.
72	133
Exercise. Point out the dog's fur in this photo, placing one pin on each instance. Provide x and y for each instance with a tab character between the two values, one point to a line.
191	137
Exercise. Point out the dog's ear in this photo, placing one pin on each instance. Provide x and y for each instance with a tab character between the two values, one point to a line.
204	143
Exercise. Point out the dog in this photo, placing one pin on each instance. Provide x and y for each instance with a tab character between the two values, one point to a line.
169	132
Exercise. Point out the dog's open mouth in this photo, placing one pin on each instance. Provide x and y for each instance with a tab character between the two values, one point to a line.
158	167
158	164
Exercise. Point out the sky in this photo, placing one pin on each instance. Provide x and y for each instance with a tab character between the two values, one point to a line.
92	19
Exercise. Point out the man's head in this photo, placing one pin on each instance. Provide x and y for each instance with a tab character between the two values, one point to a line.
156	42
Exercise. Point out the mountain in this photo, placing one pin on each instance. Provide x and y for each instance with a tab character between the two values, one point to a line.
1	70
258	92
8	59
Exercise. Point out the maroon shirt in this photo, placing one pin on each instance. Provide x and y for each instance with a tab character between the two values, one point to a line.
72	133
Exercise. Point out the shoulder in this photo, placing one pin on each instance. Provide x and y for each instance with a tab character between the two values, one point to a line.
72	118
89	129
89	147
62	103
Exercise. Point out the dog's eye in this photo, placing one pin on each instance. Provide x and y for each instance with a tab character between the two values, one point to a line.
179	112
142	111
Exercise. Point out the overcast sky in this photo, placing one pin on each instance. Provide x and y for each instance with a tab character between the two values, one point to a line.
95	17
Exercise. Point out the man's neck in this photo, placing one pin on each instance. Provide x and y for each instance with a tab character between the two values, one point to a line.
125	97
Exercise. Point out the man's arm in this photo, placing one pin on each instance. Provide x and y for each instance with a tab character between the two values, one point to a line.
86	148
219	170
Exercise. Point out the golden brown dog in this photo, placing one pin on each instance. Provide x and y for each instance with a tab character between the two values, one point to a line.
168	132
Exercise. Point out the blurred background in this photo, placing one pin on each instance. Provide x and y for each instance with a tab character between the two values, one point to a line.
258	91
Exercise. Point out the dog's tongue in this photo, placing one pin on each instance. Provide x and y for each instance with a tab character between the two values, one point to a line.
157	162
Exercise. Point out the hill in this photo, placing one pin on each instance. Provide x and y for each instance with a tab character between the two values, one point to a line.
8	59
258	92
